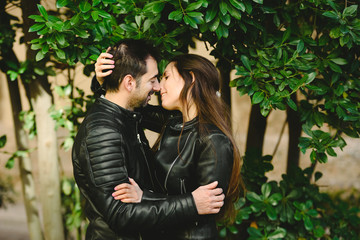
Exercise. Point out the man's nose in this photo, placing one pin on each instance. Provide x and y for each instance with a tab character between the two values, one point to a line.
156	86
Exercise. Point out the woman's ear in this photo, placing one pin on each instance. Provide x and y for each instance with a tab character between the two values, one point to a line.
129	82
193	77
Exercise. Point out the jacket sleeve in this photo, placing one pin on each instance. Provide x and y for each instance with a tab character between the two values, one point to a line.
155	117
215	160
107	168
96	88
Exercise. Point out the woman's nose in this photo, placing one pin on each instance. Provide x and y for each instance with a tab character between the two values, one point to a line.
161	85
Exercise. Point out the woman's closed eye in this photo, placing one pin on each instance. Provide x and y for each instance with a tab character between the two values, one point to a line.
164	77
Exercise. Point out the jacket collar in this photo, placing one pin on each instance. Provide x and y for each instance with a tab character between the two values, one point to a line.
177	124
120	110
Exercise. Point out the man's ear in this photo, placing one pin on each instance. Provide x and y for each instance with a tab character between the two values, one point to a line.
129	82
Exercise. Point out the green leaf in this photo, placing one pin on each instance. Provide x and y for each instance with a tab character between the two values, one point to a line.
275	198
258	1
286	35
193	6
257	97
223	7
36	27
190	21
13	75
350	11
270	88
339	61
291	104
61	3
300	46
58	26
322	157
66	187
176	15
81	33
10	162
68	143
37	18
60	53
279	233
335	67
84	6
271	212
222	232
295	193
310	77
96	2
238	5
226	19
138	20
2	141
331	152
39	56
95	15
197	16
235	13
39	71
36	46
308	56
266	190
104	14
253	197
215	24
42	11
246	62
154	7
331	14
210	15
319	231
308	223
147	24
75	19
253	232
318	175
60	38
233	229
128	27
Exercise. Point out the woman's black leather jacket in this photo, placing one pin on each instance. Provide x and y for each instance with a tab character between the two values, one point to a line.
181	166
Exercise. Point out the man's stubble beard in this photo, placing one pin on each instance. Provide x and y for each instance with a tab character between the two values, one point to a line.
137	101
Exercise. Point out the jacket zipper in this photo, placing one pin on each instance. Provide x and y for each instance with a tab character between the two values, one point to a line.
143	152
182	186
172	164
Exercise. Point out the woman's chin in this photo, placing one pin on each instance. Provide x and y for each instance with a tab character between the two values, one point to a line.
166	107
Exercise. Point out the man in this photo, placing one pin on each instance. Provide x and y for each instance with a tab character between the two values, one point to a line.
111	147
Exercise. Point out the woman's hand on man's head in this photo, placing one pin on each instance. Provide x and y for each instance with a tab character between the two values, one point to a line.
103	66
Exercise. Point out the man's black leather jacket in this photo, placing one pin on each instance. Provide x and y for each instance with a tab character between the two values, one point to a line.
109	148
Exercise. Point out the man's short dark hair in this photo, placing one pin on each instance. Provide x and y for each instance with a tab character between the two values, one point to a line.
130	58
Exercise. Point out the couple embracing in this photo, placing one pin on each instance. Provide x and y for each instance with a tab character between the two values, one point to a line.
191	176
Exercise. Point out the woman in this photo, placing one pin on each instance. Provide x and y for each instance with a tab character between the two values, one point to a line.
196	147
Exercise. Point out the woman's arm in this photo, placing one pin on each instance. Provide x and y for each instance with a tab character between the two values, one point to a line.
155	117
215	160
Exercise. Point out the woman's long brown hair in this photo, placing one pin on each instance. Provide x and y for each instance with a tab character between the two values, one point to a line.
204	92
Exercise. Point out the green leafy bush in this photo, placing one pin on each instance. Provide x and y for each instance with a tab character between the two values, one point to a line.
293	208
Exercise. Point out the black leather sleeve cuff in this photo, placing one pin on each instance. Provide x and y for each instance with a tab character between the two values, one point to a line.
152	196
96	87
